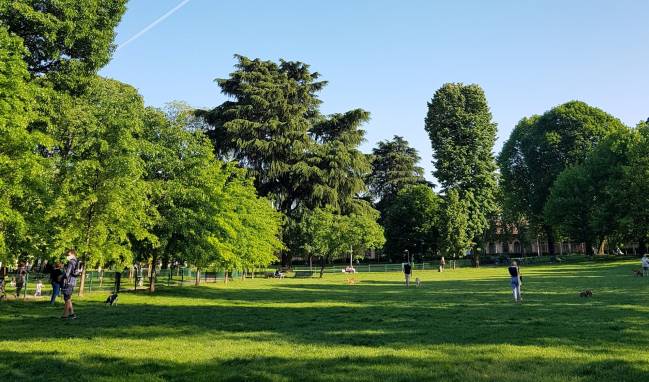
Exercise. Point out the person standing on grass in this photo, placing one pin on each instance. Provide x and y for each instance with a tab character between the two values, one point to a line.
407	271
70	274
21	275
442	264
515	274
645	265
56	276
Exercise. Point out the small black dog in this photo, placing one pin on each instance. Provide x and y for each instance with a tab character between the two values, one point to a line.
112	299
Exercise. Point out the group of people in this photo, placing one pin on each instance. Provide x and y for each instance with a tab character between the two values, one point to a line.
63	279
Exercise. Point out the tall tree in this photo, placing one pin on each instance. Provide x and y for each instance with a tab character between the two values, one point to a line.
462	135
209	212
265	126
394	167
100	195
411	222
23	173
299	158
66	40
540	148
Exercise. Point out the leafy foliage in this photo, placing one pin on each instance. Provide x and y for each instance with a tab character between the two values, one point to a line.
541	147
462	137
394	167
68	40
412	222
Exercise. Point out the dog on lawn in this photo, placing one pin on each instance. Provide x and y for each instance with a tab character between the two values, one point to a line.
586	293
637	272
418	282
111	300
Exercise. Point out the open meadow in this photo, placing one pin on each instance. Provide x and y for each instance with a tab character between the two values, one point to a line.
461	325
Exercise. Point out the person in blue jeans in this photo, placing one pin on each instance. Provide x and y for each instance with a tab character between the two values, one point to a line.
515	274
55	279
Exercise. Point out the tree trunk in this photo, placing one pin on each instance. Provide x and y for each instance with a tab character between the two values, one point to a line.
83	280
322	266
642	246
602	245
550	237
225	276
152	273
197	282
589	247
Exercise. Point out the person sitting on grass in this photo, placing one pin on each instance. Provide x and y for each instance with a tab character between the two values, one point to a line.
515	274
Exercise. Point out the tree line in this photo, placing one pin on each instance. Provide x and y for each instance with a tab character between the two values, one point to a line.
266	175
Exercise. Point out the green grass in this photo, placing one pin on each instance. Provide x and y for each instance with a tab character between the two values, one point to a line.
460	326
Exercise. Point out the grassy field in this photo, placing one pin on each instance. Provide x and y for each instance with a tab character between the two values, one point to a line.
461	325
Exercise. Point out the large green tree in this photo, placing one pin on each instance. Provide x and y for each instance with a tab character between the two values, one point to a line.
66	40
540	148
100	194
587	200
411	222
462	135
334	236
394	167
209	212
299	158
23	173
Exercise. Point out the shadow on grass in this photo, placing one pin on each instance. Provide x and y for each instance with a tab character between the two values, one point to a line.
49	366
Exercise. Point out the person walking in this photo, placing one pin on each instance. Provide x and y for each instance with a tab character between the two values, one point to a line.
645	265
407	271
56	276
515	274
21	276
442	264
70	274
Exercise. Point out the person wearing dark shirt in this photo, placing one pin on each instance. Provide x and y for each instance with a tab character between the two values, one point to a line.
515	274
56	274
70	274
21	277
407	271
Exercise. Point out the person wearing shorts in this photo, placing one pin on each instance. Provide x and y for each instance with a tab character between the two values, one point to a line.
69	282
515	282
645	265
407	271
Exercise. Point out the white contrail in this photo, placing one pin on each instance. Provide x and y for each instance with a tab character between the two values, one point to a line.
156	22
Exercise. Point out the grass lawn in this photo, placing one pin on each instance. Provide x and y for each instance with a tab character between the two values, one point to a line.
461	325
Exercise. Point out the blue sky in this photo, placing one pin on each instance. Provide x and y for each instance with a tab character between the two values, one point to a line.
389	57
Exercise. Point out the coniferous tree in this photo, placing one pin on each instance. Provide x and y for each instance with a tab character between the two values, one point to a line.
394	167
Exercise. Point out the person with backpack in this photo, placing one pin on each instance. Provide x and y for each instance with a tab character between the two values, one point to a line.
71	271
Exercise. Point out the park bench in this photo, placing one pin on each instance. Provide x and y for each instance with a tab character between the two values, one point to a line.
303	274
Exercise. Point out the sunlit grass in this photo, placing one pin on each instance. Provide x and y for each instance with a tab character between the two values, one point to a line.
461	325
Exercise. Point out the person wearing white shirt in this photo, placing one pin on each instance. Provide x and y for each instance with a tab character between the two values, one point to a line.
645	265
